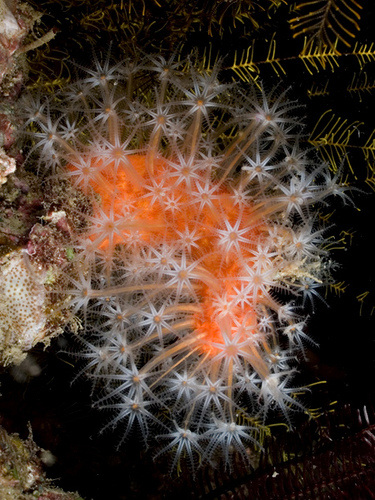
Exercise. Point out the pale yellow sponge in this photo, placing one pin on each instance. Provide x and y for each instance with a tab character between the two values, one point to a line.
22	307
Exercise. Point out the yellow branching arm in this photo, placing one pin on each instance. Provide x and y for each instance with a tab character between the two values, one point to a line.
331	135
327	21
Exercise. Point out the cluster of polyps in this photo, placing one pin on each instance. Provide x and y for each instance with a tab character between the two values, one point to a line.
199	251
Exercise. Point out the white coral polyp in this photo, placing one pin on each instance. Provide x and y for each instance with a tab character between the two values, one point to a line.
203	207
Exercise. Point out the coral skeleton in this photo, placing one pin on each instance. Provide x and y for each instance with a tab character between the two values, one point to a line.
199	255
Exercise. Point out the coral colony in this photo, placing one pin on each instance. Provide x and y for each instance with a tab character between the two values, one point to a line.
198	248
